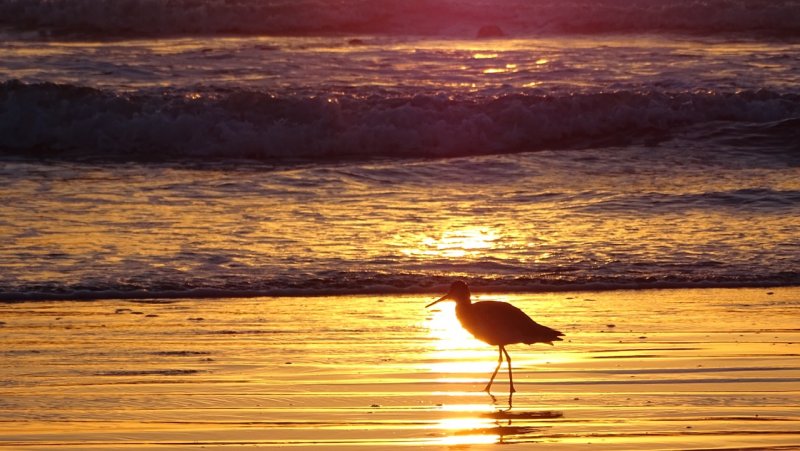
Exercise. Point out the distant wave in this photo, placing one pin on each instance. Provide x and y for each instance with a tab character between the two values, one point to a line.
746	199
351	283
420	17
72	121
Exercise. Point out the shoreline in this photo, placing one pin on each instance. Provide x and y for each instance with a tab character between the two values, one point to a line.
381	290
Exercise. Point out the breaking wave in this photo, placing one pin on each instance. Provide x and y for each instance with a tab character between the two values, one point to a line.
72	121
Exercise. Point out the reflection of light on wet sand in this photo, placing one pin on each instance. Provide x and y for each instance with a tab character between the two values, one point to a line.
467	408
291	372
466	431
454	350
469	439
445	328
462	423
484	424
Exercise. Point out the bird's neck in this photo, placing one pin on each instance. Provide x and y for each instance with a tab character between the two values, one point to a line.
463	304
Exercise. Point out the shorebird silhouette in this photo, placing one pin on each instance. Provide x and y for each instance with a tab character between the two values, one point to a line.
497	323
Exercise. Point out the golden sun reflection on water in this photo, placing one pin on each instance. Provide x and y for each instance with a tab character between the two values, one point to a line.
455	243
475	244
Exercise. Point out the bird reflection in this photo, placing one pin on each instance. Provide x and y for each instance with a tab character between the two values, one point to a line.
507	432
499	427
510	401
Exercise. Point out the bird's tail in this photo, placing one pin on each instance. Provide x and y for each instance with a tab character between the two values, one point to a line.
551	335
554	339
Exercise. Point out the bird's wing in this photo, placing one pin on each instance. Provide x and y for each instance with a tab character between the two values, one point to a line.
502	323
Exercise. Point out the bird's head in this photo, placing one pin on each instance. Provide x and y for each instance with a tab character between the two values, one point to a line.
459	292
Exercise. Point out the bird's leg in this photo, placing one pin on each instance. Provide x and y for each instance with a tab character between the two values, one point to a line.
510	377
499	362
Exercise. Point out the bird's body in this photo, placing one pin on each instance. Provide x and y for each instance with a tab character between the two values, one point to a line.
497	323
500	324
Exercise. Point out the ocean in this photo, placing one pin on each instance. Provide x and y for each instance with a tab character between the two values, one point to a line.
209	148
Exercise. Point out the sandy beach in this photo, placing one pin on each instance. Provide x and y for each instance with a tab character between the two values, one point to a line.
656	369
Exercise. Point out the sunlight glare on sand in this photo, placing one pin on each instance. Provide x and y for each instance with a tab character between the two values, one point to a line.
466	431
372	372
454	350
447	331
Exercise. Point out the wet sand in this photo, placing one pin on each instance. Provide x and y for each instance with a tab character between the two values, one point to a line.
660	369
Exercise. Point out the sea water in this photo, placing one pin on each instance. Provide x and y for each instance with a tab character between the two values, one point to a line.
207	148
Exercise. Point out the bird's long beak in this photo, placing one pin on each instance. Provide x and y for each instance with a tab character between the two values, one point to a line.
443	298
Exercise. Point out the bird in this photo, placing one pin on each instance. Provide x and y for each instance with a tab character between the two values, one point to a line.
497	323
